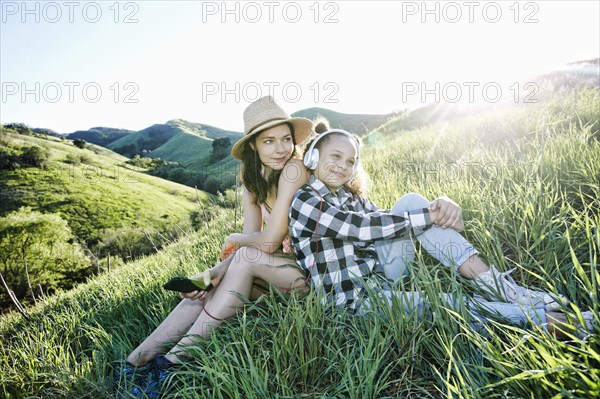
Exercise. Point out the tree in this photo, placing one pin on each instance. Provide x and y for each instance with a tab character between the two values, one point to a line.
212	185
20	128
80	143
38	249
219	148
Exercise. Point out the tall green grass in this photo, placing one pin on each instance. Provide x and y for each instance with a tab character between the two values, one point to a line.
527	179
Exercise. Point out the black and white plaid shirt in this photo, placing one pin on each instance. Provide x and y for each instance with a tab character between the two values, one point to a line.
339	229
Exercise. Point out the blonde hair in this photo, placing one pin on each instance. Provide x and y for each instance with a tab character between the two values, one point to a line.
359	183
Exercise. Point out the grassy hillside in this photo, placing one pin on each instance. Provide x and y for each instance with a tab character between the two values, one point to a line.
190	146
527	179
156	140
100	135
184	148
356	123
93	189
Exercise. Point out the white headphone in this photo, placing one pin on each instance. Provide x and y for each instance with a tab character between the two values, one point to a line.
311	158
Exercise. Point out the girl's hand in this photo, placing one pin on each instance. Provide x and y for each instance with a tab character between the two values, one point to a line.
446	213
230	246
216	275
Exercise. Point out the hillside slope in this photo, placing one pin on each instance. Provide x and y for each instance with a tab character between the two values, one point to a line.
154	141
527	180
93	189
359	124
100	135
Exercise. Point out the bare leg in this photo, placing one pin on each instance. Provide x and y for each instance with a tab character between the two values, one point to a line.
248	264
473	267
454	251
177	323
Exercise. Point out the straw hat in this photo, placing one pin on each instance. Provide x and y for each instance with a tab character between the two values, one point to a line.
263	114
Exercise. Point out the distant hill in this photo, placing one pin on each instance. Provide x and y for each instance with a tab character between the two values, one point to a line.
359	124
47	132
100	135
573	76
190	140
190	146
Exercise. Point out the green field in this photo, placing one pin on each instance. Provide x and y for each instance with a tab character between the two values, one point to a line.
100	192
527	178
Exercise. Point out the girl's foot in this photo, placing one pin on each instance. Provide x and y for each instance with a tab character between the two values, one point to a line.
502	287
160	369
584	327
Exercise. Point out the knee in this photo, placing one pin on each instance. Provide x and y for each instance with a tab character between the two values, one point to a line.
245	258
410	201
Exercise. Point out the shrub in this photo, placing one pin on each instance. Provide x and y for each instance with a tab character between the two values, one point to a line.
86	159
212	185
20	128
72	159
39	247
80	143
35	156
9	159
220	148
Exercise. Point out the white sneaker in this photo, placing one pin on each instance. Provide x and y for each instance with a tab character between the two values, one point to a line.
586	329
502	287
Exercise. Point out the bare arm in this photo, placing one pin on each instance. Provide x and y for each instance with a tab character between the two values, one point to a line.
293	176
252	215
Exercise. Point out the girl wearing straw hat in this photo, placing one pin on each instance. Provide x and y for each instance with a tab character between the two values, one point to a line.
272	171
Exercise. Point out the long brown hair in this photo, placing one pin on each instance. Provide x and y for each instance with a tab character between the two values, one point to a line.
360	182
251	175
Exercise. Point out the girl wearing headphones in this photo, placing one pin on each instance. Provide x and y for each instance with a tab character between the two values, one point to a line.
349	247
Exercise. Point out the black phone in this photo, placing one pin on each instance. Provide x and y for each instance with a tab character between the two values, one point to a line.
184	284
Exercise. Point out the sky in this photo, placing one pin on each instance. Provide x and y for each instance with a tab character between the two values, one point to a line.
73	65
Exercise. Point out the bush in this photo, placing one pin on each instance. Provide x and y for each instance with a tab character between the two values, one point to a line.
20	128
35	156
86	159
9	159
128	243
80	143
201	219
231	198
73	159
44	243
212	185
220	148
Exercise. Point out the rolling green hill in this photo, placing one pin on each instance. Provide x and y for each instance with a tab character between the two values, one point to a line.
100	135
93	189
190	139
359	124
527	180
189	145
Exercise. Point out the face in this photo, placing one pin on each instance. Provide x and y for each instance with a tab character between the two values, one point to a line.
336	160
274	146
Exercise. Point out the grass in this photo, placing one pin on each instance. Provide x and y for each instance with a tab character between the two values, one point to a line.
101	193
527	179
